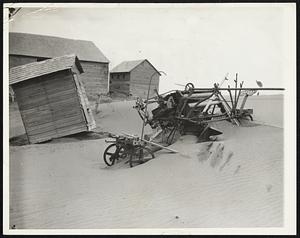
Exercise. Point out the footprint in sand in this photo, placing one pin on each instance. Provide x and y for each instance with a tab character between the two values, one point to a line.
229	156
209	146
204	152
217	155
269	187
237	169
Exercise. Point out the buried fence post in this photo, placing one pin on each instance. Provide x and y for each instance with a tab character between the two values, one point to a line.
97	103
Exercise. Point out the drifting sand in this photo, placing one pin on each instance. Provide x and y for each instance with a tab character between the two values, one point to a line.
236	181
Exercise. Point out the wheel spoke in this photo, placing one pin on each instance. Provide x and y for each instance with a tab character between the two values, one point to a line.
109	157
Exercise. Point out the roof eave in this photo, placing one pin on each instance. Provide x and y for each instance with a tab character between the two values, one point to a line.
36	56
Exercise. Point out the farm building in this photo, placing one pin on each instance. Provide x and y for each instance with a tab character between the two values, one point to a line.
27	48
51	98
133	77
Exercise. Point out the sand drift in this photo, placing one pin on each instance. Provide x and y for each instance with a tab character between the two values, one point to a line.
236	181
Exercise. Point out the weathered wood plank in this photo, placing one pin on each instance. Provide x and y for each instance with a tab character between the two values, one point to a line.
57	85
57	121
42	99
40	92
32	84
49	92
66	106
45	128
67	114
90	121
38	119
63	97
68	121
52	116
49	108
51	129
24	105
46	102
36	110
42	137
70	129
63	131
26	93
64	102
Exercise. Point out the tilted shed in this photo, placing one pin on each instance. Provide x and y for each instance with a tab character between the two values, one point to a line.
133	77
26	48
51	98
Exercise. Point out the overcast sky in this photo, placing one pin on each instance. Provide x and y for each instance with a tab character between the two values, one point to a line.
197	44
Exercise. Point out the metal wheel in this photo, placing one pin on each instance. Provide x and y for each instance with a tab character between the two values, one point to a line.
111	153
140	155
189	86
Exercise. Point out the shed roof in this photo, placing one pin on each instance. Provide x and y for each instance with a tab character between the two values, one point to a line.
127	66
36	69
50	47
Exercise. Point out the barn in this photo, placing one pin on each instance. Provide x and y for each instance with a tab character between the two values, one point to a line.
27	48
133	77
51	98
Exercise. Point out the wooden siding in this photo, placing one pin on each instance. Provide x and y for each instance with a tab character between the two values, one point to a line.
44	67
140	78
94	78
91	124
50	106
119	83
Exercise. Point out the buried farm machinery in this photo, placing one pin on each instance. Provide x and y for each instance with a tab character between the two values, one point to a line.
192	110
179	112
130	147
122	147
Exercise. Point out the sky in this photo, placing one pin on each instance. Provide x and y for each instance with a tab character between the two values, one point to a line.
198	43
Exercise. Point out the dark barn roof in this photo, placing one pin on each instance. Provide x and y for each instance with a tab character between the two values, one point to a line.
127	66
49	47
36	69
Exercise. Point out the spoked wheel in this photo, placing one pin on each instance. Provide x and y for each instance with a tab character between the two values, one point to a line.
140	155
113	153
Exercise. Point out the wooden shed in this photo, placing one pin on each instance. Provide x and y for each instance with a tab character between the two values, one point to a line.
26	48
51	98
132	78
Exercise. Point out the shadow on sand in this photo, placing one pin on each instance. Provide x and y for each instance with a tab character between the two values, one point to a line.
22	140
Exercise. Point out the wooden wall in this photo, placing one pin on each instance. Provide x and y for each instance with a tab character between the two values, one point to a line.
94	78
50	106
119	83
140	78
85	104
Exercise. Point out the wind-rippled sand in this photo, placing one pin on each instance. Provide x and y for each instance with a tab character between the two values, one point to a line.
236	181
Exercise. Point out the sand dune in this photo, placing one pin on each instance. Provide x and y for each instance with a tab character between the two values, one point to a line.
236	181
